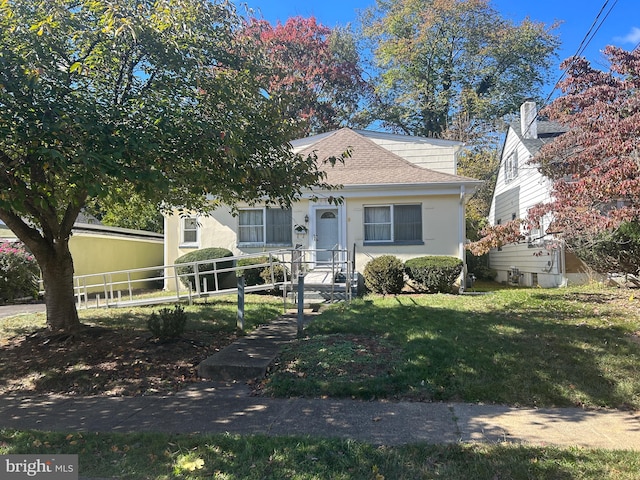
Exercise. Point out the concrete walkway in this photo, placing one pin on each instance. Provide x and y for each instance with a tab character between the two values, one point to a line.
219	407
227	406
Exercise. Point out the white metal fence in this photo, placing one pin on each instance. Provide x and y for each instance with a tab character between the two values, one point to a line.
187	281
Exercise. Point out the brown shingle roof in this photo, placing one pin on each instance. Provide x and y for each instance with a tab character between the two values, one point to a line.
371	164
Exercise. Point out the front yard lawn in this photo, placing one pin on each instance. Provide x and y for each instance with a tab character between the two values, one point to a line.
523	347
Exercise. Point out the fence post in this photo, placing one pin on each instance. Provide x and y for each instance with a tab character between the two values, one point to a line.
240	321
300	302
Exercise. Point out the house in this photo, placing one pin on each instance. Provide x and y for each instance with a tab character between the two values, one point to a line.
400	196
540	259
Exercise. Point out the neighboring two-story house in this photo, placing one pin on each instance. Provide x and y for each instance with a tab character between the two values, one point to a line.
540	259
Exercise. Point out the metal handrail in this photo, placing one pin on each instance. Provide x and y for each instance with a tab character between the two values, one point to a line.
113	284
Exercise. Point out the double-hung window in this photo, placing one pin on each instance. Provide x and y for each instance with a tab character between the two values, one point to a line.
189	231
511	167
393	224
265	226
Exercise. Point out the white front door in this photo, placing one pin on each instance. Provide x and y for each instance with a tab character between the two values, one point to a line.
327	237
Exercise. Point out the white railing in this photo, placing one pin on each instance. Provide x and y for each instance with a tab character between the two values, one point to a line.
186	281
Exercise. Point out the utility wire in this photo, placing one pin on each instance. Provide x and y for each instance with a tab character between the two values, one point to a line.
586	40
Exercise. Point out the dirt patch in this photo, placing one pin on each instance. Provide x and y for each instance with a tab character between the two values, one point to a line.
105	362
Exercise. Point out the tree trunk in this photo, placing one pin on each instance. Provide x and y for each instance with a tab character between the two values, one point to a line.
57	274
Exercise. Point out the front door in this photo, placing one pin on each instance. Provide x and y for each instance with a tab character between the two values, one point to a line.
326	233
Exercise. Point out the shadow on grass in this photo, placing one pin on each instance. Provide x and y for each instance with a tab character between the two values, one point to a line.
256	456
534	350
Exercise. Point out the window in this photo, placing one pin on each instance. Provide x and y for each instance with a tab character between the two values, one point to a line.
189	230
511	167
265	226
393	223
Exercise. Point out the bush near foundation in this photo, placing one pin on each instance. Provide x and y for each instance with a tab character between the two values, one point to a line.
434	274
384	275
252	276
19	272
225	279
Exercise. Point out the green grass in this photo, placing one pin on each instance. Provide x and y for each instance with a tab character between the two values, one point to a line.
165	456
211	315
523	347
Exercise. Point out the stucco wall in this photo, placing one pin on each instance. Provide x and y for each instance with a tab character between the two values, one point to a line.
440	225
100	253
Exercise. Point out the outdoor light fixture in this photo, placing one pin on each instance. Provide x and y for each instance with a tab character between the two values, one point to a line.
306	219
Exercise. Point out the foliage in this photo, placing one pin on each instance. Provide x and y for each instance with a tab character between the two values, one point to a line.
312	70
135	213
481	161
18	272
594	167
440	61
495	236
167	324
384	275
616	251
275	273
479	267
435	274
221	280
252	276
158	96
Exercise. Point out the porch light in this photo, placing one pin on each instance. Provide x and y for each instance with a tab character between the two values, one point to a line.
306	218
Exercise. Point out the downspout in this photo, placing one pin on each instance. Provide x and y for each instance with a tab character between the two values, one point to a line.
563	266
462	239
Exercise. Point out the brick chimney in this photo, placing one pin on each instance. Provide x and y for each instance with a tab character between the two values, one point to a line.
528	122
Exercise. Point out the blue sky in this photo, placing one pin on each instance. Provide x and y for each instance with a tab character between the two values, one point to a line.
621	28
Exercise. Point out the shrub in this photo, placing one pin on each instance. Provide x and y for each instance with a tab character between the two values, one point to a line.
279	272
225	279
385	275
479	267
252	276
18	272
434	273
167	324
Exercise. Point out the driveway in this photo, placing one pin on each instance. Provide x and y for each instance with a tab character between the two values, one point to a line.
11	310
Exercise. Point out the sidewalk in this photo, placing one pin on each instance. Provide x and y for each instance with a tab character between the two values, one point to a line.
222	405
219	407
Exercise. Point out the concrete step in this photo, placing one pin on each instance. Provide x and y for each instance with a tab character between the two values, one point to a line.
248	357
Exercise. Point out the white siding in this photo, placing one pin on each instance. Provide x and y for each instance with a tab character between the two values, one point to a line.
517	197
435	157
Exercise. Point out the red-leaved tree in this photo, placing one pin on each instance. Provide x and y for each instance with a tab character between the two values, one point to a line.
595	166
313	70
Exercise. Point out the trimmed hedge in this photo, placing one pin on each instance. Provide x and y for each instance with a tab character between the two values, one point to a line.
225	279
434	273
384	275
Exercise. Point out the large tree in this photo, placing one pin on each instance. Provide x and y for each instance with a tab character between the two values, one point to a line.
313	70
442	59
154	95
594	167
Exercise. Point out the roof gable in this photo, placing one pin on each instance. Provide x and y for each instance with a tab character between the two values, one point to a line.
370	163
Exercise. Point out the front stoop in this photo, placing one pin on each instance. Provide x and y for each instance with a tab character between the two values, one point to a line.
248	357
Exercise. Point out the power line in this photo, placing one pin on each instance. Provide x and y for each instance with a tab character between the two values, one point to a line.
586	40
